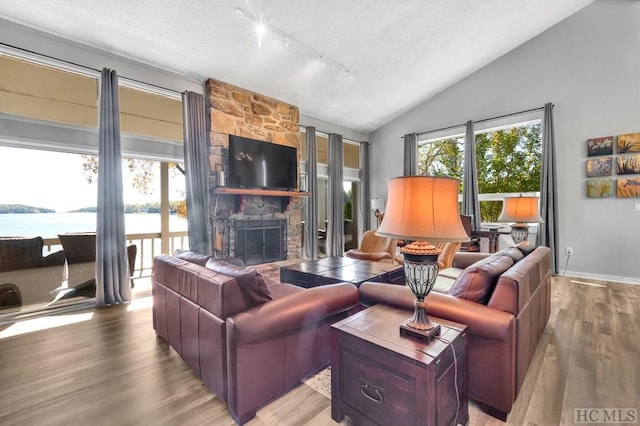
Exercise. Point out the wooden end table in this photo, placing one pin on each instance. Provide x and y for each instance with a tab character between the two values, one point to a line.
379	377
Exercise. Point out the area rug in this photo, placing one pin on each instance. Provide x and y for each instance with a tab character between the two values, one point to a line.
320	382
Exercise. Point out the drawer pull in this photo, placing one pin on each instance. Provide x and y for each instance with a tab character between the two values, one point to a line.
371	392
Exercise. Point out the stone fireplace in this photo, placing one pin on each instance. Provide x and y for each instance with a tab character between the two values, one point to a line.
272	220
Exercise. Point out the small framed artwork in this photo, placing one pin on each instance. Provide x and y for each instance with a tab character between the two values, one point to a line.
600	146
600	188
628	143
628	188
599	167
628	164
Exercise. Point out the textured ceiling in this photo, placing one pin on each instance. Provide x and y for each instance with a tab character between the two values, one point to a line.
402	52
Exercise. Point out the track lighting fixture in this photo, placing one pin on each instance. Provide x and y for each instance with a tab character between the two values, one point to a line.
262	28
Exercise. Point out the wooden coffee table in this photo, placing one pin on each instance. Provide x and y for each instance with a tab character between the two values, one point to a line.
379	377
330	270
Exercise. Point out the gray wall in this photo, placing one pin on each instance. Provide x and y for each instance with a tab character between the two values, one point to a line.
587	65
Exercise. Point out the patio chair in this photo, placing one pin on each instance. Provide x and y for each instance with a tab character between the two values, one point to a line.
80	252
26	276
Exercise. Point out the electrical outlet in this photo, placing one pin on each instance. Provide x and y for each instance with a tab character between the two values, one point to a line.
637	207
569	251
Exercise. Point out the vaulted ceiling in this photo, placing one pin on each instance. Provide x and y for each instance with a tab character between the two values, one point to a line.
399	53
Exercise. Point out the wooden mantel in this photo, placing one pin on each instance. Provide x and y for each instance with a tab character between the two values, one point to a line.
260	192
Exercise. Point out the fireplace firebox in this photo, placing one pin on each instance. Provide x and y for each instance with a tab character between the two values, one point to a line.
260	241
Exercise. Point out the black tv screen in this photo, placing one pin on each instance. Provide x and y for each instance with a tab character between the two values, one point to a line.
256	164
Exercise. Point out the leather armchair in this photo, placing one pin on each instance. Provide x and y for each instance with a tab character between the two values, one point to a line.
373	247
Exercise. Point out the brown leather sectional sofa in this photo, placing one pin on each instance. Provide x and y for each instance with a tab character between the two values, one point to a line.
504	299
250	347
248	338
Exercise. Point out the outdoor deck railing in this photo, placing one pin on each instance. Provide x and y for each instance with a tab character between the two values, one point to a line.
149	245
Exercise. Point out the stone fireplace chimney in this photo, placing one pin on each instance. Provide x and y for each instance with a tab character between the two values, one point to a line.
236	111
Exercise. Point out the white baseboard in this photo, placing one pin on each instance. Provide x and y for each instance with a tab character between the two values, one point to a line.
614	278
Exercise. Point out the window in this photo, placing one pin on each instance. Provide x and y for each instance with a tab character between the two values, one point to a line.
509	161
508	158
351	184
442	157
48	137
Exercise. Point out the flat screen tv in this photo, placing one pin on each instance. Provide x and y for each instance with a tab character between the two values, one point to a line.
256	164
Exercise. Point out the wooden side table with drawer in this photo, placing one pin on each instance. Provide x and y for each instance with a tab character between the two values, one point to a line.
379	377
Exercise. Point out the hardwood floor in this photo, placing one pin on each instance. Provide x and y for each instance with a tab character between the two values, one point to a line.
108	368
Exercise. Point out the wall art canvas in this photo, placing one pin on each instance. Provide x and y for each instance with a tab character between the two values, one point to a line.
628	164
599	167
628	143
600	146
628	188
599	188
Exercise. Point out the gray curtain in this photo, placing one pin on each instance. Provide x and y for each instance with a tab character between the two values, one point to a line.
547	231
196	160
470	202
364	212
112	272
335	227
311	218
411	154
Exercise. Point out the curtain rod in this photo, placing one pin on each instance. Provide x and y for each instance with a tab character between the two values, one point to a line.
51	61
480	121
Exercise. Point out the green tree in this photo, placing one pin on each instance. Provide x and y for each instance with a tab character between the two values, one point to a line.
142	171
442	158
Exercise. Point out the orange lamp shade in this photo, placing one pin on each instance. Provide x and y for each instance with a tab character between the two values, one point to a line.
423	208
520	210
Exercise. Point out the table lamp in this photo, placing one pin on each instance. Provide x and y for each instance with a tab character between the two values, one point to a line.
421	209
377	204
520	210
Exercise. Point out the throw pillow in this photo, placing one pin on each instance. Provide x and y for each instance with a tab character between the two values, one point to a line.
253	286
526	247
192	256
477	281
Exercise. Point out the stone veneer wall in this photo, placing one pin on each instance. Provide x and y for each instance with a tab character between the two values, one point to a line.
236	111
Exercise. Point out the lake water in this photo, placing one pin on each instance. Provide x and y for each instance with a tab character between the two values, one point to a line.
49	225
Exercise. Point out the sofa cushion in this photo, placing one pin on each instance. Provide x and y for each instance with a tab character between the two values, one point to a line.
253	287
193	257
476	282
450	272
443	284
514	253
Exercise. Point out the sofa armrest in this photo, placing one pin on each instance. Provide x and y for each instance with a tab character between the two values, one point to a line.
480	320
463	259
292	312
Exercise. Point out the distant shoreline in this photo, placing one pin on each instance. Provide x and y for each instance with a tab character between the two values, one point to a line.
128	208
